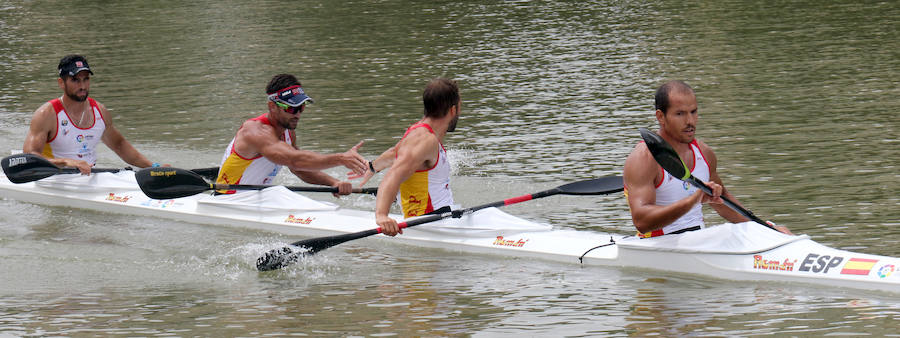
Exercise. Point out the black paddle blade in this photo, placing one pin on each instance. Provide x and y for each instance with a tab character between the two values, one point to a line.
663	153
211	173
279	258
597	186
23	168
167	183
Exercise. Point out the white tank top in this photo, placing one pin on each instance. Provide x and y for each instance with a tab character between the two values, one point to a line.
71	141
236	169
426	190
673	189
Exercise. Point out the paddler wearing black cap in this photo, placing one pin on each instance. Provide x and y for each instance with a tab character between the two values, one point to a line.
66	130
263	144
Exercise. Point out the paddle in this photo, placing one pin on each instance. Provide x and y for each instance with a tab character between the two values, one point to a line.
26	167
669	160
278	258
167	183
23	168
211	173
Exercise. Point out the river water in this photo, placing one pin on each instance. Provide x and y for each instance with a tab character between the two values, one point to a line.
799	100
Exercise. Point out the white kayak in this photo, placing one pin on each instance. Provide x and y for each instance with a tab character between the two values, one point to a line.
745	251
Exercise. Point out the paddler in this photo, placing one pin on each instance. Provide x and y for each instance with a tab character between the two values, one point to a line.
263	144
67	130
419	175
660	203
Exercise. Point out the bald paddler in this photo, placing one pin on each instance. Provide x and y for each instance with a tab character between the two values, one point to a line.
660	203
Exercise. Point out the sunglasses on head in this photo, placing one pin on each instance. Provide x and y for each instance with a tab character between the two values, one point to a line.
291	110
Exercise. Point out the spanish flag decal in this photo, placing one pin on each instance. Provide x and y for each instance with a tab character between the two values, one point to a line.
858	266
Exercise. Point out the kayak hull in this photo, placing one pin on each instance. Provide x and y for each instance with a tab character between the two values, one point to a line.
744	251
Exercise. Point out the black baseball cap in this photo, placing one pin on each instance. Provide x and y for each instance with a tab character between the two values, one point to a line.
73	64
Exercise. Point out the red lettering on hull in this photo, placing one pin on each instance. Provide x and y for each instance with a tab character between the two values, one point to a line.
764	264
500	241
295	220
114	198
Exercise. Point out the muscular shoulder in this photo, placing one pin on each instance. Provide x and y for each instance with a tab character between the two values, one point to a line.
418	145
254	129
640	167
639	157
420	138
44	116
45	109
256	133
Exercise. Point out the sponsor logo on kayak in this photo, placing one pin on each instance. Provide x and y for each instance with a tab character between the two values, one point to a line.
17	161
516	243
819	263
764	264
162	204
298	220
858	266
162	172
115	198
886	270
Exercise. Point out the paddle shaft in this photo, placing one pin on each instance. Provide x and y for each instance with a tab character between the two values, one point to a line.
330	241
205	172
68	170
461	212
728	202
222	186
278	258
599	186
325	242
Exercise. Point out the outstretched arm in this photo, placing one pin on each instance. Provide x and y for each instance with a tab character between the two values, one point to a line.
383	161
261	137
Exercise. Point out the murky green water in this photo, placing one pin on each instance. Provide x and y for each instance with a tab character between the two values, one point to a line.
799	100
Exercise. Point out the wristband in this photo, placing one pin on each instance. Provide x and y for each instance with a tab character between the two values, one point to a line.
372	167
